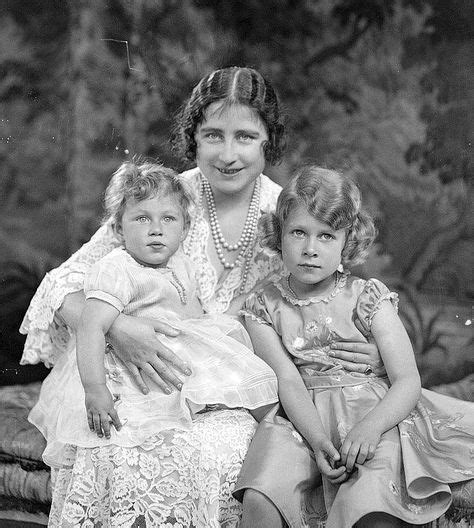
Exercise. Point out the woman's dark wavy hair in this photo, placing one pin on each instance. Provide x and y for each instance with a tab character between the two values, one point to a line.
331	198
234	85
143	180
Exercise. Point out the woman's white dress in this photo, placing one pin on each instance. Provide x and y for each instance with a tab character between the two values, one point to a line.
176	478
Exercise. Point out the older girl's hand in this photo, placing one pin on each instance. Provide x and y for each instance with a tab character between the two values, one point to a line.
359	357
327	459
137	343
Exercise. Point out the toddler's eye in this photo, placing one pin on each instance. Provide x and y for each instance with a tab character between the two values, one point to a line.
142	219
168	219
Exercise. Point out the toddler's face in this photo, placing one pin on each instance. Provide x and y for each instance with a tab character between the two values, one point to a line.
311	250
152	229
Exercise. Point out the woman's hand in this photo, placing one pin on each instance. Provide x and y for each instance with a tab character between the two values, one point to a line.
100	410
359	357
360	444
136	342
327	459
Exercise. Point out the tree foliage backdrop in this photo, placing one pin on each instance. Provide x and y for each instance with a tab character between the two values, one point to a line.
380	88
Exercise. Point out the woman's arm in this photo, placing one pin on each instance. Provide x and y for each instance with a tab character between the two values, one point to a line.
399	359
295	398
93	324
136	343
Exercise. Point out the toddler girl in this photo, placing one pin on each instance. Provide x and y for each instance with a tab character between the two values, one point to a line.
149	276
398	445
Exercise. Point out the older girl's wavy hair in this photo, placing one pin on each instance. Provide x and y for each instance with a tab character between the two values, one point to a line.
231	86
331	198
140	181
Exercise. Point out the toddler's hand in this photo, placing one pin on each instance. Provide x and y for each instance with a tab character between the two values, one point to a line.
327	459
100	410
360	445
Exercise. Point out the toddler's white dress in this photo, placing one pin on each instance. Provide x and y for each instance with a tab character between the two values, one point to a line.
225	371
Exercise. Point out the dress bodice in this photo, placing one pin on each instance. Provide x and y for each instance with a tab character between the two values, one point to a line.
307	327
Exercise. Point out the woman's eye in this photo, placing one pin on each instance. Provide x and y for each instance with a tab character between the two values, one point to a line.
245	137
212	136
298	233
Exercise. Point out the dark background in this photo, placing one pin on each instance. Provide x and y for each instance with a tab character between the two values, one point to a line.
383	89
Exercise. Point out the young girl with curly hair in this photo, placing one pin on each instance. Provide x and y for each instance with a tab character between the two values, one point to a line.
397	446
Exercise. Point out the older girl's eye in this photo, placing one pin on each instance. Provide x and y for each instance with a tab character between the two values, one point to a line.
327	236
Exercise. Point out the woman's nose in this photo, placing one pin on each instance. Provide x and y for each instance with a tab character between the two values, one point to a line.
227	153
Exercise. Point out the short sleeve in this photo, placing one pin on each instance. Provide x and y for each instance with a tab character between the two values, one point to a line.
254	308
371	299
109	283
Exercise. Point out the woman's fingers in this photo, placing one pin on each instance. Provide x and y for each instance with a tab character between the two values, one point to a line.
137	377
164	328
168	356
162	376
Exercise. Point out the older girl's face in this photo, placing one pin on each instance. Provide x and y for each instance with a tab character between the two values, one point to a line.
230	145
311	251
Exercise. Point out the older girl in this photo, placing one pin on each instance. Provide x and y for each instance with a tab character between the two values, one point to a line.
399	447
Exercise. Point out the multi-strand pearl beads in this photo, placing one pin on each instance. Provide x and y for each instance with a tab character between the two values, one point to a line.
248	233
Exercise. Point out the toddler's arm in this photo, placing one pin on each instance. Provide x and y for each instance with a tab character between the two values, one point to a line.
94	323
397	354
294	397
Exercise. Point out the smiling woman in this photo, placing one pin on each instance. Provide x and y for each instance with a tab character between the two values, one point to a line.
231	126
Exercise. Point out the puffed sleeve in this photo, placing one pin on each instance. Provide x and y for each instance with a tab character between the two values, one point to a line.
108	282
47	334
371	299
255	308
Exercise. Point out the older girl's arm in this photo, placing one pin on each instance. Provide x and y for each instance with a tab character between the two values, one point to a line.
399	359
295	398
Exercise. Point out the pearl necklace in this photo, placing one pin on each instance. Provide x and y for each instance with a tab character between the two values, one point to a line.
245	242
174	281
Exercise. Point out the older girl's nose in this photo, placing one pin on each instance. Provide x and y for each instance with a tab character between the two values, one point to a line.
311	247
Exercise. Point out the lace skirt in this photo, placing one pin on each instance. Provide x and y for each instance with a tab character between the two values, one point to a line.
179	479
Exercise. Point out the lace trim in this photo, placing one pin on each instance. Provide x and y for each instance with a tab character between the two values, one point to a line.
390	296
295	301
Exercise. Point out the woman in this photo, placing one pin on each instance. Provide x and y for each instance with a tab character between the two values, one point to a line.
231	126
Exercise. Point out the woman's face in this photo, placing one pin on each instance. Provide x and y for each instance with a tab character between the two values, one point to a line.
230	147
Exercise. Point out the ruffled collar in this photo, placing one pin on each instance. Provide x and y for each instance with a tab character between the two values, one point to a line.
296	301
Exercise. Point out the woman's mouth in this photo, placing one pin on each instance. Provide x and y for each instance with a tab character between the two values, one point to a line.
228	172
